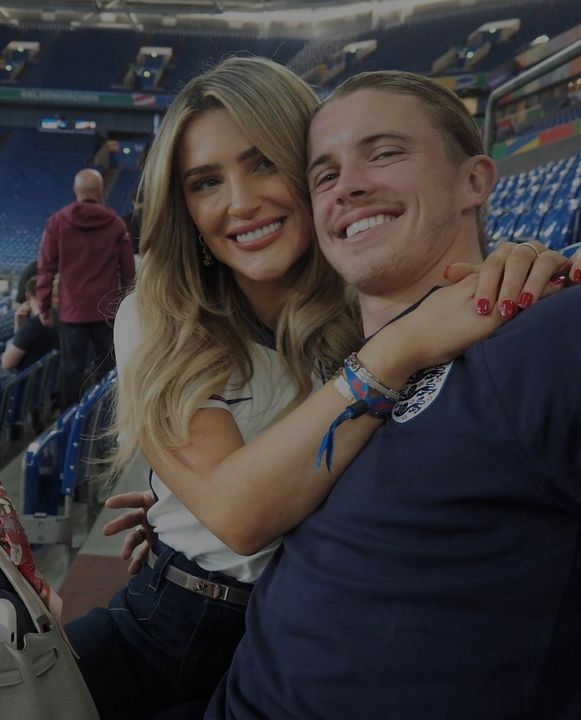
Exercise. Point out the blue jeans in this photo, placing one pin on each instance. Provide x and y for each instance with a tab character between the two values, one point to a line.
157	645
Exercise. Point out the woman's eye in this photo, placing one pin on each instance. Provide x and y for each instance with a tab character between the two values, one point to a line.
205	184
264	164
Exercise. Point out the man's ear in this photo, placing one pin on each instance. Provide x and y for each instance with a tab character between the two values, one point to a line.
479	177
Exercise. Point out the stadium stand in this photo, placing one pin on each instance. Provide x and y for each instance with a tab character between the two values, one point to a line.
59	465
542	204
35	174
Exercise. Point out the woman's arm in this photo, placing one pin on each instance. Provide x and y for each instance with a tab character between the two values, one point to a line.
250	494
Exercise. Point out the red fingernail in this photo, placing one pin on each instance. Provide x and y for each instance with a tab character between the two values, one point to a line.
577	276
445	271
507	308
525	299
558	279
483	306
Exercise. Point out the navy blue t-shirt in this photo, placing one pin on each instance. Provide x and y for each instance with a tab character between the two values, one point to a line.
35	339
441	578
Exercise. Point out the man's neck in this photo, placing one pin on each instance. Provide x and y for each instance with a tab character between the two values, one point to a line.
378	309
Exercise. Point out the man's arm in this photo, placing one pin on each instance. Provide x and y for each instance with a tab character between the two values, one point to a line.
20	344
48	259
12	356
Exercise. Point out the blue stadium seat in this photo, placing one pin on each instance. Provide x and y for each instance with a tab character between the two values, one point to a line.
18	394
560	226
61	463
570	250
528	225
505	226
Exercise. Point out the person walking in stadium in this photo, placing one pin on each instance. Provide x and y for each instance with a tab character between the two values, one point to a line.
442	576
236	318
87	244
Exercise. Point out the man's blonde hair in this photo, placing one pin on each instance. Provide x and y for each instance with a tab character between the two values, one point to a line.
446	112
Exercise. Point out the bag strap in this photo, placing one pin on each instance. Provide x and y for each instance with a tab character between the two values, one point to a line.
39	613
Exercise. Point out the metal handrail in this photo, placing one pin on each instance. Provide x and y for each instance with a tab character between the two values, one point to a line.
551	63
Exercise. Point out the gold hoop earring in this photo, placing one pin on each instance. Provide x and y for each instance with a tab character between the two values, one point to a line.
207	257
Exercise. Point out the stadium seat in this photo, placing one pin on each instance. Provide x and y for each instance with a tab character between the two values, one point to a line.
60	464
18	394
560	226
528	226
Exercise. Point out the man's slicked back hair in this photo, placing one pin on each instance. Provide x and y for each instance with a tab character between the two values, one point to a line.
445	110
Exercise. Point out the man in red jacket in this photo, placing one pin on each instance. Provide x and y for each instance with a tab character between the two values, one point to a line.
87	244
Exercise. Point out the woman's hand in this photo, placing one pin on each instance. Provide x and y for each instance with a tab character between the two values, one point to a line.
442	327
137	542
515	275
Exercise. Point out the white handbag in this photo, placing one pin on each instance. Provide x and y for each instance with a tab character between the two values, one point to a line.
39	676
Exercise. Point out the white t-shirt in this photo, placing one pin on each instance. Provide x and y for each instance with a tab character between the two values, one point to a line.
253	406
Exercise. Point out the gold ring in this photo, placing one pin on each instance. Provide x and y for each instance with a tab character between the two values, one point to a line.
531	247
139	529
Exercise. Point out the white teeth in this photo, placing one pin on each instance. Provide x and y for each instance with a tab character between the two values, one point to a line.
258	234
367	223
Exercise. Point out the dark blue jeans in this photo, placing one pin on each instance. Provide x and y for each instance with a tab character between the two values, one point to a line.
157	645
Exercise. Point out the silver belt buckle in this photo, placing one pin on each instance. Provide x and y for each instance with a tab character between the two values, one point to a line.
204	587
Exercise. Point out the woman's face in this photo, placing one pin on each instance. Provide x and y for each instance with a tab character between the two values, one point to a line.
240	202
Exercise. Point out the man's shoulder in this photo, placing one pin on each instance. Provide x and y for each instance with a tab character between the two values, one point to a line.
537	348
554	315
30	328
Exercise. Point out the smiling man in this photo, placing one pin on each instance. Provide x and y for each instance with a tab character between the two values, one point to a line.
442	576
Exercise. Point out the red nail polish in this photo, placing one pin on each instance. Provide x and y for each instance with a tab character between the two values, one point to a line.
507	308
483	306
577	276
558	279
525	299
445	271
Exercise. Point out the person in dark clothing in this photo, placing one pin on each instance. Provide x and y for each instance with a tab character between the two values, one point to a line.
29	271
132	220
87	244
32	339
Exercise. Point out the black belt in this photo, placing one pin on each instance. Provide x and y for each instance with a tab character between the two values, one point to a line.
201	586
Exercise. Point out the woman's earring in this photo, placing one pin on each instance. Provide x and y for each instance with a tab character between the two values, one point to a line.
207	257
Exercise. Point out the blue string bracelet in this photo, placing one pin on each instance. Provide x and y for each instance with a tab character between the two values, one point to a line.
379	407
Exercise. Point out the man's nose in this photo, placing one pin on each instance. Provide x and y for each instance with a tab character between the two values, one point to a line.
353	183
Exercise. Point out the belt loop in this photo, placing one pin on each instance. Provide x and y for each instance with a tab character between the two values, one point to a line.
165	555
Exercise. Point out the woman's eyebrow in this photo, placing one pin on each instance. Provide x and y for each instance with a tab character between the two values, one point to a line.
213	167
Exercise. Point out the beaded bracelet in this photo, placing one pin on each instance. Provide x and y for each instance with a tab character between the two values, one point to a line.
379	407
363	373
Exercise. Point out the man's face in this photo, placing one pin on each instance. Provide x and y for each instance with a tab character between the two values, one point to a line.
383	189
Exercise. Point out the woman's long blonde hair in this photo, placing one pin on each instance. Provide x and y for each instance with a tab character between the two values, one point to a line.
196	324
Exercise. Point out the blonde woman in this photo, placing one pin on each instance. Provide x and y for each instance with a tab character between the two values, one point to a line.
236	319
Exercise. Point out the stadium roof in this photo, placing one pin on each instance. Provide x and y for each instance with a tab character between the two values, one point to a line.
308	18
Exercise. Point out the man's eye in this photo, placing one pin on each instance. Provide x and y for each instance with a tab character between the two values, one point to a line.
325	178
385	154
